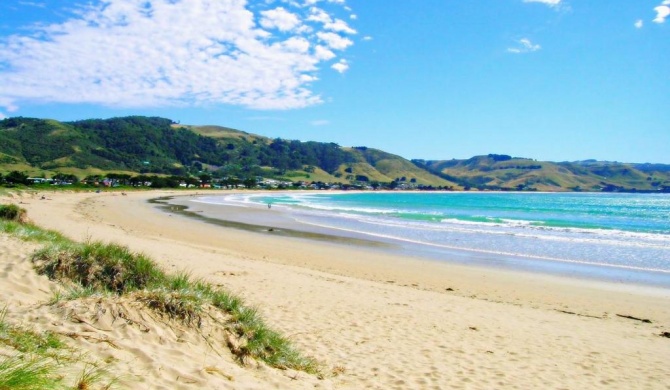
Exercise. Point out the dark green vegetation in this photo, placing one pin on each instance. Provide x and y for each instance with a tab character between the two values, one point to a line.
136	150
109	270
12	212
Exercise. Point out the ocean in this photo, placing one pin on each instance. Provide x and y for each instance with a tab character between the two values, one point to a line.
616	237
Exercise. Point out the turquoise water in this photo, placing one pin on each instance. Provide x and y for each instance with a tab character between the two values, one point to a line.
575	233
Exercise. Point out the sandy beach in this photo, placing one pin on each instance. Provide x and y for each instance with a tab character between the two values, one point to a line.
373	320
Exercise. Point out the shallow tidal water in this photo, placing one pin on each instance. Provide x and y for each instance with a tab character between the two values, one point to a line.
616	237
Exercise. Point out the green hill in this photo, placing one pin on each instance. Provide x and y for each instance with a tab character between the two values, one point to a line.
137	145
501	172
151	145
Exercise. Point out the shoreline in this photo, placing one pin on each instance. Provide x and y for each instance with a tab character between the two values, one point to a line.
392	321
403	269
278	222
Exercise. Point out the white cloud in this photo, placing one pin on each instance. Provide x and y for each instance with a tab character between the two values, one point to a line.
340	26
367	38
524	45
151	53
280	19
319	15
639	23
323	53
662	11
2	116
341	66
551	3
334	41
320	122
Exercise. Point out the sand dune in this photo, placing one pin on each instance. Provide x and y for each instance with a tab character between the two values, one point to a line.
372	320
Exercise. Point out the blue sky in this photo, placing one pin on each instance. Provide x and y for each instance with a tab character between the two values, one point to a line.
436	79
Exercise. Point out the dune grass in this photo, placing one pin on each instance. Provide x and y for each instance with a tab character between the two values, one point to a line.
91	268
109	268
19	373
33	367
40	360
25	340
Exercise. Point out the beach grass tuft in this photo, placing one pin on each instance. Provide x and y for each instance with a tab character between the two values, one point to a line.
98	268
184	304
25	373
90	375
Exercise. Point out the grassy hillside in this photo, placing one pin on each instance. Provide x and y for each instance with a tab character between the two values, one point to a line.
504	172
151	145
224	133
381	166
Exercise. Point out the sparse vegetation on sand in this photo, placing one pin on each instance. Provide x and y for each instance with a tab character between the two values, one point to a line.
39	360
111	271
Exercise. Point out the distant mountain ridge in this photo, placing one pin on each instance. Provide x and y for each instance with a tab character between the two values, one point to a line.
143	145
502	172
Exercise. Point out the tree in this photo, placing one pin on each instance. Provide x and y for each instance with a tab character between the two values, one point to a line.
16	177
139	180
192	181
250	182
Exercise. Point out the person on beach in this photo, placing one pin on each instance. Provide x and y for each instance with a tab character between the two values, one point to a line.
269	205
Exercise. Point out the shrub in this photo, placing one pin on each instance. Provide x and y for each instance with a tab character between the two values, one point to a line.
108	267
13	212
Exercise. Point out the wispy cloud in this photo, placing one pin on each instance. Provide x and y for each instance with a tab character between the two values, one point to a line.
33	4
320	122
153	53
2	116
524	45
551	3
662	12
639	23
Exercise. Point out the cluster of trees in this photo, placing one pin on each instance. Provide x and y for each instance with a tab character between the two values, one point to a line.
285	155
14	178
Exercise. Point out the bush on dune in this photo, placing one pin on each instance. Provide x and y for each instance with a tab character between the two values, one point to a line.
14	213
